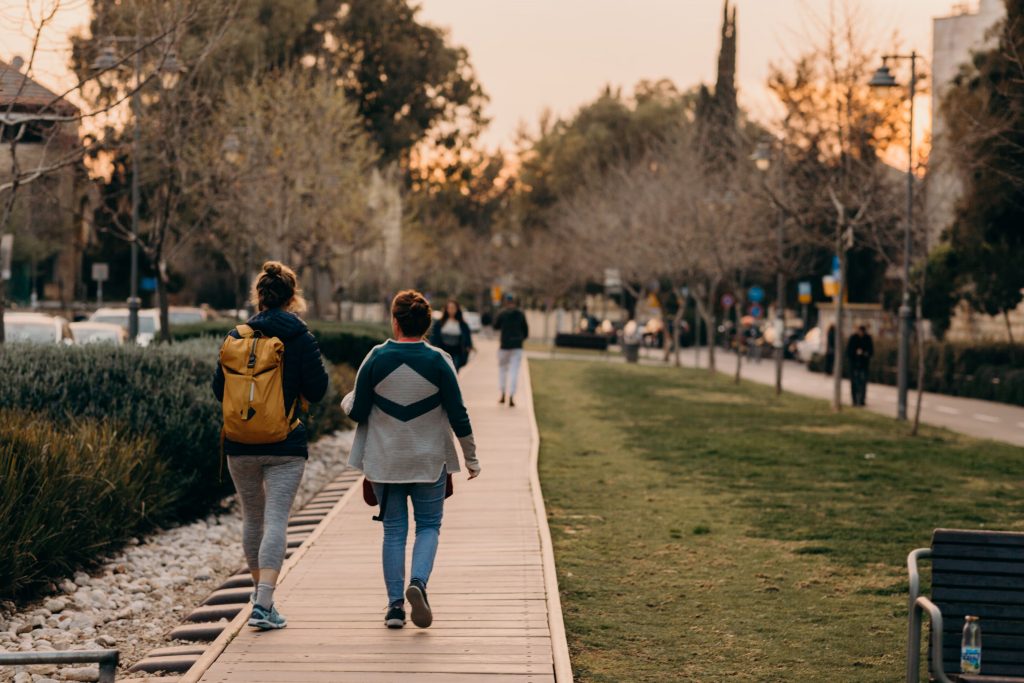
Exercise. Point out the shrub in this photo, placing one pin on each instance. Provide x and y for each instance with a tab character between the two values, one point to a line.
339	342
162	392
69	491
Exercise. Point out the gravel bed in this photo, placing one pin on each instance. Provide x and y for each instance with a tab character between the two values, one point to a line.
137	595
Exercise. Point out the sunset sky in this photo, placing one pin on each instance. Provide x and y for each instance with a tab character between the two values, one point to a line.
557	54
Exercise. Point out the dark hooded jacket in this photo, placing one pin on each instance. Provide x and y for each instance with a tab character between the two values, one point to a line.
304	375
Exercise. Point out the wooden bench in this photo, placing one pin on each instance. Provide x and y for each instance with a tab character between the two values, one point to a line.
973	572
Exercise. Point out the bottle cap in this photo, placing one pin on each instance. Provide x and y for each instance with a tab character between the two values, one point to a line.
970	617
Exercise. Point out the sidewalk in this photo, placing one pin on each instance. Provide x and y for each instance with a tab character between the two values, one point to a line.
496	611
983	419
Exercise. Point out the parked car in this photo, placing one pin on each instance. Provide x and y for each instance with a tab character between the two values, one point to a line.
90	332
812	343
186	315
37	328
472	318
149	321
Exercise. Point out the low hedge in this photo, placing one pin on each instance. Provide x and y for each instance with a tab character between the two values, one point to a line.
339	342
162	393
991	372
68	491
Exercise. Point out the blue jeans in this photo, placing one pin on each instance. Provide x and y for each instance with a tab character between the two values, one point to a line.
428	507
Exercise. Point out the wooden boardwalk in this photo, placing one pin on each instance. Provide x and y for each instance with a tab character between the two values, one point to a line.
493	592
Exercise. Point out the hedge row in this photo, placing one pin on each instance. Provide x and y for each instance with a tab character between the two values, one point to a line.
991	372
339	342
69	491
107	442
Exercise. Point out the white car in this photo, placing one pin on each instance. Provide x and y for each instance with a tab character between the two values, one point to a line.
186	315
149	321
472	318
36	328
90	332
812	343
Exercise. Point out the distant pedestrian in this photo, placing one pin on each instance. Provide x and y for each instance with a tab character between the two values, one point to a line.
830	349
451	334
265	442
511	322
408	404
859	351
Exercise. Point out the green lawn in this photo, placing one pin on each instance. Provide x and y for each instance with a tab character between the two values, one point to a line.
707	532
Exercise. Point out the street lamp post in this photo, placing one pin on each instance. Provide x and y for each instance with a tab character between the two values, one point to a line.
169	71
883	78
762	158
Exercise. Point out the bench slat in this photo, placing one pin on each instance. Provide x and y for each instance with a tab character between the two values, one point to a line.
978	537
989	552
967	566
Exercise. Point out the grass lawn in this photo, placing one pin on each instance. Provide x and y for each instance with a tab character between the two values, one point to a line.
708	532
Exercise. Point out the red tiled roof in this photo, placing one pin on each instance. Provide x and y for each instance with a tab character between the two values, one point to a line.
27	95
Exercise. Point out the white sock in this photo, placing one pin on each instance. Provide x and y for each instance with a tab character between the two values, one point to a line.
265	595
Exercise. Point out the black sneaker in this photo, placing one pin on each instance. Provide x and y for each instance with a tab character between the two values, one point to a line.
502	399
416	594
511	402
395	618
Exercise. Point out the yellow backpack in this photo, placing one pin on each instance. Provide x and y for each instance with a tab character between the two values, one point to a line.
253	402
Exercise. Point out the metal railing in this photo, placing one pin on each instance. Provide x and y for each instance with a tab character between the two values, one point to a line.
107	660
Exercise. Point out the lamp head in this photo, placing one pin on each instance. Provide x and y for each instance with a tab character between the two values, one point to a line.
883	78
762	156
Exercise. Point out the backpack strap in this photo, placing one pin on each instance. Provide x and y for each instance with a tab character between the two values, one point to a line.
244	331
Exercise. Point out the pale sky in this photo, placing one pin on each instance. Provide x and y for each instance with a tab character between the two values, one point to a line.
558	54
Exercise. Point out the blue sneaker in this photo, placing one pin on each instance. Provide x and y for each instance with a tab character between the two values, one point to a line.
265	619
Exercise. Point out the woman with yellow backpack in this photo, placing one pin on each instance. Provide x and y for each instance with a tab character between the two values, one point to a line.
269	367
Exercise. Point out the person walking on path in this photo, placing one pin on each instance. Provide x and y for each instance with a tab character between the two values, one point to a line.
511	322
451	334
859	351
408	404
830	349
281	356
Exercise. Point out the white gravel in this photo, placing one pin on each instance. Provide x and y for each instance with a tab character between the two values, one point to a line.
139	594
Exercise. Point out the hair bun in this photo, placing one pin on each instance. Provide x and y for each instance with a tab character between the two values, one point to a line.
272	268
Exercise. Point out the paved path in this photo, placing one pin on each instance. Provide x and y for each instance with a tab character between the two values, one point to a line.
983	419
494	595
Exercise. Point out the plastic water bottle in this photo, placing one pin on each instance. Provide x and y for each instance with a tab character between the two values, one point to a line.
970	646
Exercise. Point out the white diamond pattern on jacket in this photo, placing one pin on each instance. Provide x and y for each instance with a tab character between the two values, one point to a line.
405	386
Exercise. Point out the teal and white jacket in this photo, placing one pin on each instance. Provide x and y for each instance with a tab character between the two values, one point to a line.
409	409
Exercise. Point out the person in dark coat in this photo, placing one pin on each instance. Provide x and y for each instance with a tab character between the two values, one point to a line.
511	322
830	349
859	351
451	333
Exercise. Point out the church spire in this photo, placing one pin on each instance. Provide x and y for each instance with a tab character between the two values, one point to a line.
725	87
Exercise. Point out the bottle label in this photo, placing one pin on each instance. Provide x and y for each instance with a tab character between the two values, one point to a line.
970	660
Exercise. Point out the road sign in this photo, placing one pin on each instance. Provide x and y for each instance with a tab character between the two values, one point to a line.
147	284
612	280
756	294
728	300
756	310
837	271
830	285
100	272
804	289
6	249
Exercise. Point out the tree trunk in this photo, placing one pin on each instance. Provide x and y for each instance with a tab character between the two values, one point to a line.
677	329
1009	328
161	294
706	311
838	347
919	326
737	309
3	308
696	340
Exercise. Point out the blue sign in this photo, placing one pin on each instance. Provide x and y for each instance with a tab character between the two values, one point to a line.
147	284
837	272
756	294
756	310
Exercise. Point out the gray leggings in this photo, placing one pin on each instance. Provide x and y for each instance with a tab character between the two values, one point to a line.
266	486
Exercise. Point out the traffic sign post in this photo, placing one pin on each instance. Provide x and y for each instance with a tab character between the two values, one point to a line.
100	274
728	300
804	290
755	294
6	250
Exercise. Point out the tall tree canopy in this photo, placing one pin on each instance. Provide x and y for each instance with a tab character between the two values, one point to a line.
985	113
